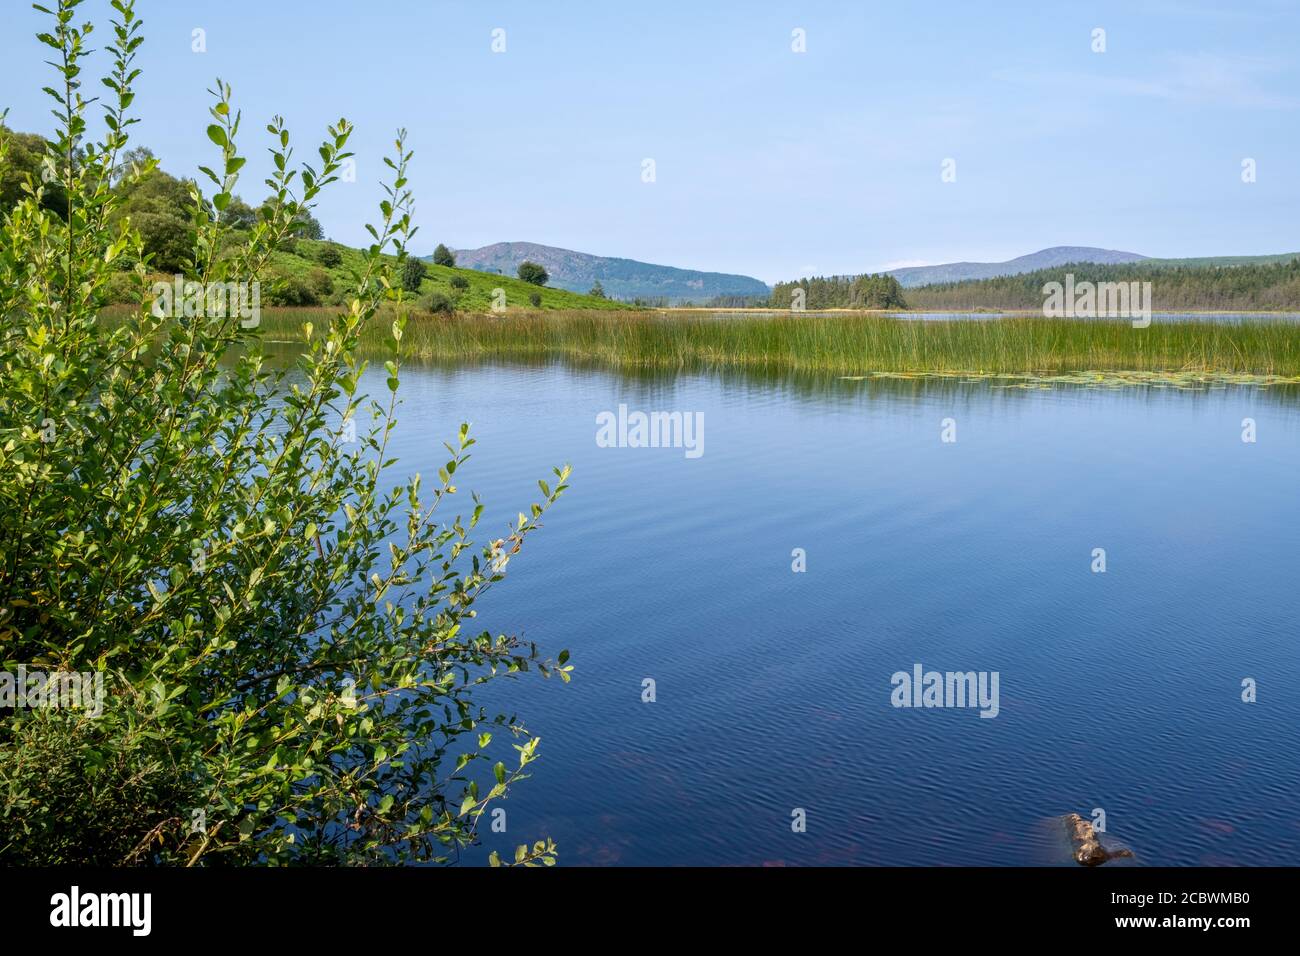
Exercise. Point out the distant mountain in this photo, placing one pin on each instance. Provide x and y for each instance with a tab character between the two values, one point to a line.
620	278
1043	259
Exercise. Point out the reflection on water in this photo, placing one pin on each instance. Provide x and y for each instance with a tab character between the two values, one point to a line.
654	383
1119	691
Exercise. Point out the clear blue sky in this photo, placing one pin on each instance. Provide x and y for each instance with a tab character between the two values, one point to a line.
769	162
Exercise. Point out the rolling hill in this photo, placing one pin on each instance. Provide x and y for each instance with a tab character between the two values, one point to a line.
621	278
303	265
1042	259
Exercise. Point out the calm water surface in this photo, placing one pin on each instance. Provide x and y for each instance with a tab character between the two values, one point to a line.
1119	691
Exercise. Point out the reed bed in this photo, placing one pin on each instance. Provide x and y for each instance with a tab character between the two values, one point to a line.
1030	346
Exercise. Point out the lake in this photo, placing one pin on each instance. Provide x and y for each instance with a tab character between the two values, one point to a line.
1120	691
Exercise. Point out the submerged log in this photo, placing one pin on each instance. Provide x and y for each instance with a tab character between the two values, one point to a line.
1088	850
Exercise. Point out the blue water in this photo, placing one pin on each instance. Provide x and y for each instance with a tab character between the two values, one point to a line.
1118	690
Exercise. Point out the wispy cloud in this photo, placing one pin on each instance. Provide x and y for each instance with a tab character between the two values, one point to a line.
1209	79
904	264
1260	10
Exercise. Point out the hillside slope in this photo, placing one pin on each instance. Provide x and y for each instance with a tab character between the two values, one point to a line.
1042	259
304	265
621	278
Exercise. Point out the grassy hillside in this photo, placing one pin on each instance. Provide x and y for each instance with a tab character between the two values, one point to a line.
304	264
625	279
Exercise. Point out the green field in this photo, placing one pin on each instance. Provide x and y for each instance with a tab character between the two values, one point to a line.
1023	347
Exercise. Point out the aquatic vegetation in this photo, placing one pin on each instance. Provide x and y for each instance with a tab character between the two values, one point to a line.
1032	350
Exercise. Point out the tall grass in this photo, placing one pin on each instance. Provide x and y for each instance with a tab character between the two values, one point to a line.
839	344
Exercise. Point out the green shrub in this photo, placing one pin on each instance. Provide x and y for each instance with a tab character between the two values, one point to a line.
285	639
534	273
287	289
330	256
460	283
157	205
320	283
413	271
438	303
535	299
442	256
122	288
27	152
167	240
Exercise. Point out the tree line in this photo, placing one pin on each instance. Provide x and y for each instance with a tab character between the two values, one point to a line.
160	207
1219	288
1264	287
158	204
840	292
